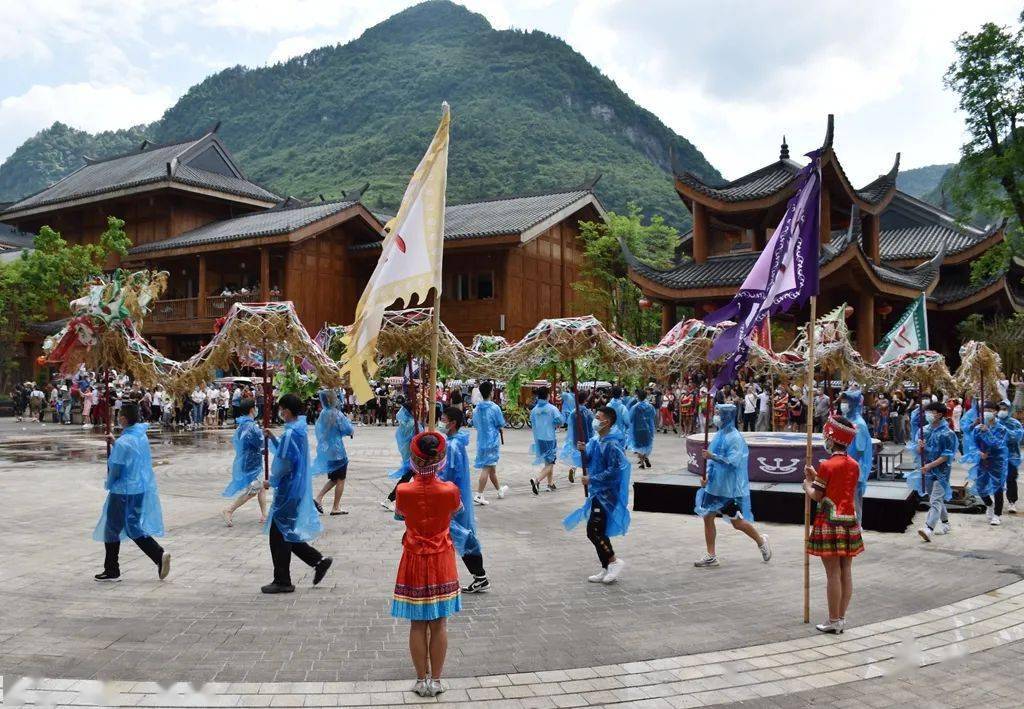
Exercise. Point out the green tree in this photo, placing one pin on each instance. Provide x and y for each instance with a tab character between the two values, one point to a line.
40	284
605	288
988	77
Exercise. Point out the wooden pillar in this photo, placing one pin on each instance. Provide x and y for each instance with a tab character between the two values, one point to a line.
825	233
265	273
561	270
872	236
866	326
701	233
668	317
201	295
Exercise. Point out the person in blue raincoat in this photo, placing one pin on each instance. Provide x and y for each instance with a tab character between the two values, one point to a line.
606	509
247	470
545	420
568	403
488	422
569	454
641	428
132	509
851	405
293	521
463	524
985	444
332	425
621	412
725	489
1015	432
407	428
935	454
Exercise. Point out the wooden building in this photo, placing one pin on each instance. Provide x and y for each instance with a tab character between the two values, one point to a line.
880	249
189	209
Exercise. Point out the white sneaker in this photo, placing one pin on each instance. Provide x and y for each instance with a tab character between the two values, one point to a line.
501	492
421	688
925	533
598	577
614	569
943	528
1012	508
990	512
434	687
388	505
479	499
765	548
995	521
706	561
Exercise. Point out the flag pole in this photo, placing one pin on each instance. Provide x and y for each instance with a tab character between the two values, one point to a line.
432	381
580	434
810	458
267	394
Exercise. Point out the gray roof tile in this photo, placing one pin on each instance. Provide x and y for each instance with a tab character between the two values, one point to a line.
280	220
760	183
912	229
11	238
140	168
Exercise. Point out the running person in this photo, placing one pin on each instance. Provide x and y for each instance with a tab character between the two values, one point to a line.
248	466
545	420
488	422
641	429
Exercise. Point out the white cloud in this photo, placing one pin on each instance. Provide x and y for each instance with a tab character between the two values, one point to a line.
83	105
296	46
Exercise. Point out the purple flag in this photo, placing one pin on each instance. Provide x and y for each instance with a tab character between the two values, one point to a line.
785	273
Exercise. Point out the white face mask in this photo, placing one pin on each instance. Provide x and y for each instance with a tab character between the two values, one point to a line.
1003	414
596	425
990	416
716	421
844	407
933	417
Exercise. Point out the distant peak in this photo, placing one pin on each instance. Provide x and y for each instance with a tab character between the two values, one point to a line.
432	17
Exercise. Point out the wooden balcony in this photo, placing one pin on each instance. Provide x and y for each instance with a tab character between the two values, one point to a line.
188	316
171	310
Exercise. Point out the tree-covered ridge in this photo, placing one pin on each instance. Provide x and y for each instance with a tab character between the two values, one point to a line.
528	114
922	182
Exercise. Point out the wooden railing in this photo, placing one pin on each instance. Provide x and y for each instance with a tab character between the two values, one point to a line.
188	308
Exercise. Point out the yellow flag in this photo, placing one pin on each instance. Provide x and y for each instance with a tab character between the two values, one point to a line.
410	262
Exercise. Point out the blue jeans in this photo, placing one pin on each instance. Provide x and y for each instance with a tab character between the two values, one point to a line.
197	413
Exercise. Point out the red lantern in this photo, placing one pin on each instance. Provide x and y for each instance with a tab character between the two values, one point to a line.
848	312
41	360
709	307
884	309
644	303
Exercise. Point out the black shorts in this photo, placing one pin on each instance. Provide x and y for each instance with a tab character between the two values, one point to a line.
338	473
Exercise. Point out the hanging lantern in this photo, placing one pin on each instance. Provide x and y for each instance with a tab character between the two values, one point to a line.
709	307
41	360
884	309
848	312
645	303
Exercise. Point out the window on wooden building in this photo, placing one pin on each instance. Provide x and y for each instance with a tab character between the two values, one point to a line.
485	285
460	287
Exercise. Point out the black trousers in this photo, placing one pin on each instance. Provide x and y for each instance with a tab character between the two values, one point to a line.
404	479
1011	485
595	533
113	549
749	420
281	551
475	564
987	499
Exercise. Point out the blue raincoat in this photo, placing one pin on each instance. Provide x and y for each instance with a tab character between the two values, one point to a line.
331	428
728	483
569	454
463	525
293	511
568	404
862	449
248	465
404	434
1014	434
608	470
988	474
621	417
544	418
939	441
132	509
641	427
488	422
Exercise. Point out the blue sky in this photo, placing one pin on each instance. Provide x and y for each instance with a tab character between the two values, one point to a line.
730	75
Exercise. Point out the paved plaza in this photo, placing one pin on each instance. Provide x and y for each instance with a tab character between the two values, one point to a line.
666	634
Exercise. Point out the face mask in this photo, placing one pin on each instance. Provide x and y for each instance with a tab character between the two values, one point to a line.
933	417
844	407
1003	414
990	416
716	420
596	425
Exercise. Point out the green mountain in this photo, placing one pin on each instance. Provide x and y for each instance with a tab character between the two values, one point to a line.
528	114
920	182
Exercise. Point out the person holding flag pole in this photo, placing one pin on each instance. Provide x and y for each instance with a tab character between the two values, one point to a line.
786	273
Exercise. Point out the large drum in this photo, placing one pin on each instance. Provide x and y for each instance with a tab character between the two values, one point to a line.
775	457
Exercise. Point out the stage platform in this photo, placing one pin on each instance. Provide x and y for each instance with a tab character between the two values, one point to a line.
888	506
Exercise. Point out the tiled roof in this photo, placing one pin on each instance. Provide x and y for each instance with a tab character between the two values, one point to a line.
761	183
161	163
876	190
11	238
912	228
280	220
506	215
957	285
